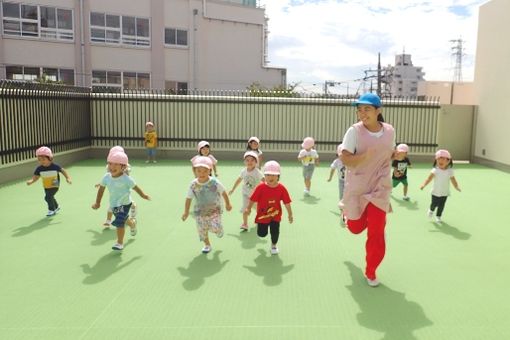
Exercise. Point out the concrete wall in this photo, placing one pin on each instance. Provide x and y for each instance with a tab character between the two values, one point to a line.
449	92
491	85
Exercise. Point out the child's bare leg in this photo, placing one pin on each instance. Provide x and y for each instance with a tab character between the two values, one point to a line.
308	183
245	219
405	190
108	221
120	235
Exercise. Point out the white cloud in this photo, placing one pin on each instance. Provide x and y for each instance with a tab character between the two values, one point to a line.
327	39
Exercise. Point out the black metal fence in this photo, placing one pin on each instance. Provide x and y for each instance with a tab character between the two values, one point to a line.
68	118
32	115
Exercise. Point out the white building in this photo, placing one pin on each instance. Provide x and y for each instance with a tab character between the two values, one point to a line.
401	80
172	44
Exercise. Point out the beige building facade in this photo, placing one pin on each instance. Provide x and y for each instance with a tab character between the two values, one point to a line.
449	93
492	90
143	44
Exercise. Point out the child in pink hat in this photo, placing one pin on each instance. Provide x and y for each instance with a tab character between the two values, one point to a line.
254	145
442	174
309	157
207	192
400	165
268	195
204	149
119	185
49	172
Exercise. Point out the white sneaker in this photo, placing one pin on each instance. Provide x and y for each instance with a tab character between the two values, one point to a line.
57	210
51	213
274	251
307	192
206	249
117	246
430	213
373	283
406	198
244	227
438	220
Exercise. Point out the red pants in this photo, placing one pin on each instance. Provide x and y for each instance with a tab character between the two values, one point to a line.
373	219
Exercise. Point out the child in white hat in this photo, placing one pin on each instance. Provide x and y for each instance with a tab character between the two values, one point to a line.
204	149
400	165
309	157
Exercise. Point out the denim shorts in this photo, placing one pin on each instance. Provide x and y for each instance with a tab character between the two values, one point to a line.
121	215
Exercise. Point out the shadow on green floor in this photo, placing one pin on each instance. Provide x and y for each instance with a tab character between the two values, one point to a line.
385	310
447	229
270	267
41	224
101	237
310	199
411	204
105	267
202	266
248	239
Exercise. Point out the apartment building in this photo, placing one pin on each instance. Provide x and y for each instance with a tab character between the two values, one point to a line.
401	79
138	44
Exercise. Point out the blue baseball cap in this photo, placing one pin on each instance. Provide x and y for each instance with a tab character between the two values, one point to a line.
368	99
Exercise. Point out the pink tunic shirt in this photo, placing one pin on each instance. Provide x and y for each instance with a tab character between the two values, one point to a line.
370	181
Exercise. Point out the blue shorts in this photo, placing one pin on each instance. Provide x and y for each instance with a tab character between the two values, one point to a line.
121	215
151	152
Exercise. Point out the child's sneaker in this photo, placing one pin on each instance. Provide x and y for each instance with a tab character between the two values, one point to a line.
117	246
51	213
244	227
438	220
274	251
306	192
107	224
430	213
57	210
147	161
406	198
373	283
133	230
206	249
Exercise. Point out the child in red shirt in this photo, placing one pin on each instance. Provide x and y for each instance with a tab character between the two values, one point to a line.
268	195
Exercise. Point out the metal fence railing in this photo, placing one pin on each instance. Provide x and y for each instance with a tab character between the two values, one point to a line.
32	115
68	118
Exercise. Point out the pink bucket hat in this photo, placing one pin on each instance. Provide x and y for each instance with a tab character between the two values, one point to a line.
116	148
402	148
308	142
201	144
253	139
443	153
118	158
252	154
44	151
202	162
271	168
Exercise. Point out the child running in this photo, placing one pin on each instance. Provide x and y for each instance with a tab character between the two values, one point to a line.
268	196
207	192
254	145
151	142
132	212
400	165
119	185
367	151
442	174
339	167
310	159
49	172
251	177
204	149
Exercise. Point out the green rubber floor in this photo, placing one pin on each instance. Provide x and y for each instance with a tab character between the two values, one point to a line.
59	278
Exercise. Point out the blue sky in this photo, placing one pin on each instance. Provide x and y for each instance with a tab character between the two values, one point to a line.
318	40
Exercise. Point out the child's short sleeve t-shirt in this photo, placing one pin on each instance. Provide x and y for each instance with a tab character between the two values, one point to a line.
206	196
400	168
441	185
49	174
340	168
268	202
250	180
150	139
308	157
119	189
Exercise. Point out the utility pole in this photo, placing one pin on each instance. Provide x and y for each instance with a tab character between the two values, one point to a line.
457	54
379	91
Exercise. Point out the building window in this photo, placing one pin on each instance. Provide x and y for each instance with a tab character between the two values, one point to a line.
37	21
175	36
176	87
117	81
28	73
117	29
